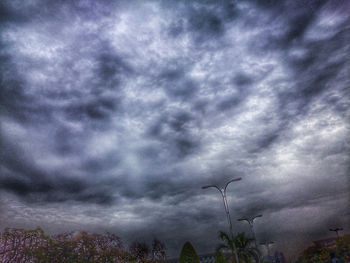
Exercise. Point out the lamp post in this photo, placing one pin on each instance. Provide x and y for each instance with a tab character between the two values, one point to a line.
250	221
267	245
223	194
336	230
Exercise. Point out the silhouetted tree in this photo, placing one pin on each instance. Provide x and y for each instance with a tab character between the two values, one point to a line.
188	254
321	254
246	252
139	250
158	250
22	246
14	244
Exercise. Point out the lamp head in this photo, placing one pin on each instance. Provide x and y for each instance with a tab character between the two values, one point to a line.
234	180
256	216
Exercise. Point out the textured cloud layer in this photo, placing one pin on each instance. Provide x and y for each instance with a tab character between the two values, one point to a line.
113	116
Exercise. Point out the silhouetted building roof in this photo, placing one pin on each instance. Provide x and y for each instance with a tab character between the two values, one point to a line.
325	242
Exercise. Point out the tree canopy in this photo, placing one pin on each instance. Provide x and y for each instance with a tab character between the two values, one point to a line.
188	254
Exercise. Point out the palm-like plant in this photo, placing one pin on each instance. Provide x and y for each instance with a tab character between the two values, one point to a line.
245	251
227	245
220	258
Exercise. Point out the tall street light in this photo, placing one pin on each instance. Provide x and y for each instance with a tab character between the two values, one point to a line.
250	221
267	245
336	230
223	194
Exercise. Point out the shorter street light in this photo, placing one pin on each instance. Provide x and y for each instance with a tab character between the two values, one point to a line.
267	245
250	221
223	194
336	230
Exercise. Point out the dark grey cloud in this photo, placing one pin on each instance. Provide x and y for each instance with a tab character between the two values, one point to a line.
206	23
34	184
177	85
114	114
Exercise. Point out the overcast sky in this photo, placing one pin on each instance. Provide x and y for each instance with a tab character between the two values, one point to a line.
114	113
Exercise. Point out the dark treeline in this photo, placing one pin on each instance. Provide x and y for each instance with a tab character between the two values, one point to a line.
23	246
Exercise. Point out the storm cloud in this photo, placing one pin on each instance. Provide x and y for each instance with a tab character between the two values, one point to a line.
113	115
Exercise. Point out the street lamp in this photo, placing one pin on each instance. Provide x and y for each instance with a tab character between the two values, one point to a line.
250	221
267	245
223	194
336	230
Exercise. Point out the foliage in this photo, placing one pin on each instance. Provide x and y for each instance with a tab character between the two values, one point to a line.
142	253
14	244
188	254
80	248
23	246
139	250
321	254
343	247
227	245
158	250
246	252
314	254
220	258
